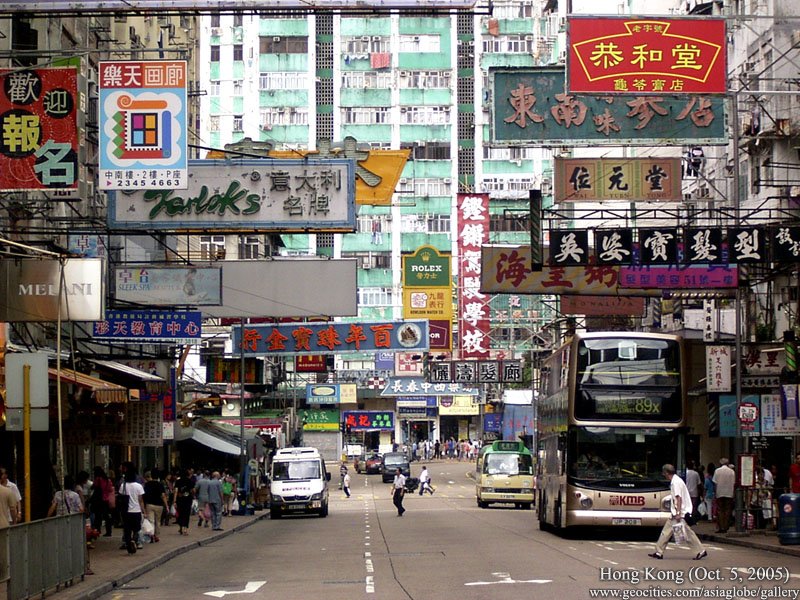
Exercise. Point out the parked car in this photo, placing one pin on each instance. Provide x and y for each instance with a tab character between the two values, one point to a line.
373	464
390	462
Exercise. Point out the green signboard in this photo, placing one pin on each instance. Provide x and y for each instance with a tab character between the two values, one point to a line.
531	106
319	419
427	267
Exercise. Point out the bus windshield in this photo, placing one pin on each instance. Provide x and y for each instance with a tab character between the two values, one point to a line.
507	464
613	456
296	469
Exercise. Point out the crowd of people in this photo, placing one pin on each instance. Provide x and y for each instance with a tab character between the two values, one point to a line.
450	449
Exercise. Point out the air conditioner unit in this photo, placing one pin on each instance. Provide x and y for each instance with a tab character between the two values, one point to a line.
703	192
215	31
404	73
280	110
415	38
562	56
403	181
376	38
389	217
403	109
447	180
528	38
364	38
276	38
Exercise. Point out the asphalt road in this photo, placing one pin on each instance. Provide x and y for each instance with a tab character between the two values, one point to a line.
445	547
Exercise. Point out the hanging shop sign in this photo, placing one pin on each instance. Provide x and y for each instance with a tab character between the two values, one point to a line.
773	421
39	145
602	307
368	420
311	363
531	106
168	286
226	370
646	55
174	327
506	269
411	386
88	245
283	195
476	371
473	309
458	405
319	419
144	424
333	393
31	289
718	368
331	338
617	179
143	136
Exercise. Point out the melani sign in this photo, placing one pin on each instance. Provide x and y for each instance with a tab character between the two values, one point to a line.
285	195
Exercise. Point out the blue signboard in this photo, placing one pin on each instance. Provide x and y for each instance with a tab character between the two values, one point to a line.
728	419
177	327
414	386
331	338
493	422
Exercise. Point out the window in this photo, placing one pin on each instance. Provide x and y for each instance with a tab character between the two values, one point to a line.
215	20
237	87
214	53
425	115
213	88
438	223
212	247
249	246
283	80
430	44
366	79
374	296
238	19
425	79
238	52
510	221
366	115
238	124
213	123
283	44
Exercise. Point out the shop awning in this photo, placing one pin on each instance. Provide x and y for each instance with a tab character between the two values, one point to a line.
129	371
214	442
104	391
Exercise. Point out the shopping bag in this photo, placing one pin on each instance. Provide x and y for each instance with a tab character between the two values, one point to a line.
195	506
173	511
207	513
147	527
701	509
235	505
679	532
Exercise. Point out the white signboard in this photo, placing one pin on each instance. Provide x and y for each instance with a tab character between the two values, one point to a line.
772	421
276	194
144	424
15	377
718	368
169	286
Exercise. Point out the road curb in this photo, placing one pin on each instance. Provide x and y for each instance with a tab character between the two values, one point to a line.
108	586
748	542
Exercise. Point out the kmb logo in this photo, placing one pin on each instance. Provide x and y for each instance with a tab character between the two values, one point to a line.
626	500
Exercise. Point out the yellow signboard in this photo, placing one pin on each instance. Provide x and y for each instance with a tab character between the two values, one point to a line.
458	405
427	303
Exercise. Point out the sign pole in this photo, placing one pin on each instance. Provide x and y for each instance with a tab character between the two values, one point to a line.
242	454
26	436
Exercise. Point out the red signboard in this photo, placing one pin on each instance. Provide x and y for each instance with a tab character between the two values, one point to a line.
313	363
473	306
646	55
38	129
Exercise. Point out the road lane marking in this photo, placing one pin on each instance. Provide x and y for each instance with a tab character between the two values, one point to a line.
250	588
505	578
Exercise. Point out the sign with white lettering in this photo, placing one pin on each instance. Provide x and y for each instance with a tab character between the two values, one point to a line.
282	195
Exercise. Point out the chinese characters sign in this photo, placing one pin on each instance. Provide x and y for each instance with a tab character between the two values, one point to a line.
530	106
151	326
473	313
368	420
169	286
143	142
620	179
476	371
602	307
718	368
288	195
428	292
330	338
646	56
38	129
414	386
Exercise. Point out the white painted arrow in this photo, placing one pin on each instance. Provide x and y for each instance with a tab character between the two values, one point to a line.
251	587
506	578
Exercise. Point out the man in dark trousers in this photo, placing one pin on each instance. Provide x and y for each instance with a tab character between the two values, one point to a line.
398	490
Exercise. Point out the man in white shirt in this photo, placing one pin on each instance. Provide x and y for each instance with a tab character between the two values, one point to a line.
398	491
724	482
425	482
680	506
17	496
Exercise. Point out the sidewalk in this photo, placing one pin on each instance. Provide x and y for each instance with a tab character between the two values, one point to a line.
112	567
759	539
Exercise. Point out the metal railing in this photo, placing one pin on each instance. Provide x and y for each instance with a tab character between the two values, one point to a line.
38	556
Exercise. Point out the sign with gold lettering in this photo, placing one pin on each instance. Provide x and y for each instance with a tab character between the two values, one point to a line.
646	55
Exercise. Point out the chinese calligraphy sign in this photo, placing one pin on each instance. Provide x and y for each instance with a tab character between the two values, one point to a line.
38	129
152	326
633	55
597	119
473	314
620	179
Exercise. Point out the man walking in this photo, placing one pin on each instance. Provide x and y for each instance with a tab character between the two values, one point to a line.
346	484
724	480
680	507
425	481
215	501
17	496
398	491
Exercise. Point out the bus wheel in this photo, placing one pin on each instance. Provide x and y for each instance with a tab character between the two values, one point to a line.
482	504
557	513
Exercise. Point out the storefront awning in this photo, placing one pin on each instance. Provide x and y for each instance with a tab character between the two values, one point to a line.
129	371
214	442
104	391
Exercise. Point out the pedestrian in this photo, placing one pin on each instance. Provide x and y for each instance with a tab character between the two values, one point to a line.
155	501
346	484
694	484
4	481
710	496
66	501
425	482
132	517
203	509
724	481
169	488
84	488
215	501
398	491
228	492
681	510
100	501
342	473
184	494
437	450
8	507
794	475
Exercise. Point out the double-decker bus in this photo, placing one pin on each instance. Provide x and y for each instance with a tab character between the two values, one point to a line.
612	412
504	474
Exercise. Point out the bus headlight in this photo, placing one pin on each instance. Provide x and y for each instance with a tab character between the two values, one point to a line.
526	483
276	498
584	500
666	504
488	490
316	496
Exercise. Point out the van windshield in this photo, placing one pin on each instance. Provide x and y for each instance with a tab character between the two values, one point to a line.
296	469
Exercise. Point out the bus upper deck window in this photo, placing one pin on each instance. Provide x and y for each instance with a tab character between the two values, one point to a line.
627	350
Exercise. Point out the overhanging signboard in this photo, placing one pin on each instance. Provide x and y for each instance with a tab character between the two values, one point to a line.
143	107
331	338
31	288
410	386
617	179
646	55
72	7
277	194
532	106
178	327
168	286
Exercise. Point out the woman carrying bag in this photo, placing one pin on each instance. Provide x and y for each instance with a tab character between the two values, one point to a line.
133	492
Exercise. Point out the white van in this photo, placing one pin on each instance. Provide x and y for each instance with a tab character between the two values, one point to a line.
298	483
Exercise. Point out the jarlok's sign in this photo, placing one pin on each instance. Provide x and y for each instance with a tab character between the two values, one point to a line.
282	195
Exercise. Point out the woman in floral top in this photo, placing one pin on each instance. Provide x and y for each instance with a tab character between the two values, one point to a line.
65	503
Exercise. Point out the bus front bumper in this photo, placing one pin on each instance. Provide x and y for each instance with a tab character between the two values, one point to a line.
617	518
524	497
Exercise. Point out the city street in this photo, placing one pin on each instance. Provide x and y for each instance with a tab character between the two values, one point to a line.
446	547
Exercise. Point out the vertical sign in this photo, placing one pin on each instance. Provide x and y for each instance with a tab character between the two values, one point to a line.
718	368
428	292
143	125
473	307
38	129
